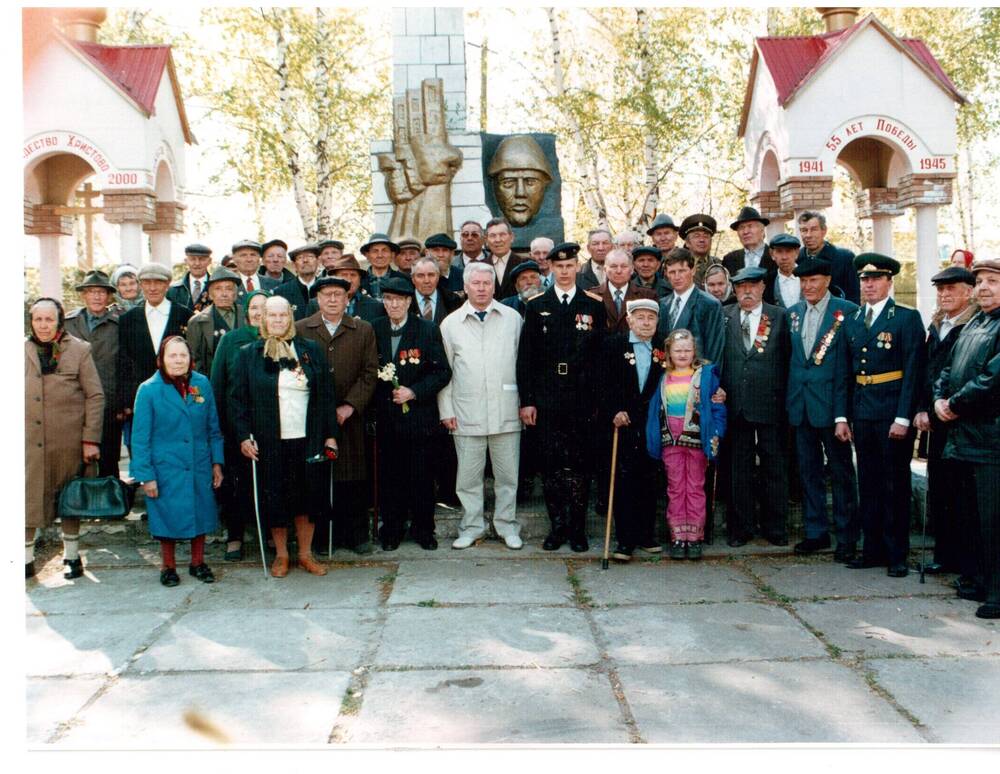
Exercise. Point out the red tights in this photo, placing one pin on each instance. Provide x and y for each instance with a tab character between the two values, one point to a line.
167	551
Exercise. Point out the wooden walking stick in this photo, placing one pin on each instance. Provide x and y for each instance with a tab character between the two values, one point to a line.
611	500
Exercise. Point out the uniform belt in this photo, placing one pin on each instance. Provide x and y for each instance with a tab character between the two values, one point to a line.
888	376
562	369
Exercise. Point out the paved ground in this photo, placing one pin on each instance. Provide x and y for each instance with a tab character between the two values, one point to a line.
494	646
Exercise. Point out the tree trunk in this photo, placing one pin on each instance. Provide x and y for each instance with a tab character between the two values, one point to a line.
649	149
483	70
324	177
970	243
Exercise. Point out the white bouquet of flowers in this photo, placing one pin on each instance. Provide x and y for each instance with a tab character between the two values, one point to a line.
387	373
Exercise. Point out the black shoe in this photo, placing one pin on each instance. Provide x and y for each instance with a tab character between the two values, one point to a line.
777	540
202	573
678	549
812	545
934	569
972	592
390	545
861	563
622	553
844	553
897	571
363	549
169	577
694	550
236	555
74	568
651	547
579	544
988	611
29	569
736	541
553	542
427	543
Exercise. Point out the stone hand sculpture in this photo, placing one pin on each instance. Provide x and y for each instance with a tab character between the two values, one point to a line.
520	174
419	171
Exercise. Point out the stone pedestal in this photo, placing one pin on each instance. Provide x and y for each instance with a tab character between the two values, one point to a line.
797	194
131	210
169	220
43	221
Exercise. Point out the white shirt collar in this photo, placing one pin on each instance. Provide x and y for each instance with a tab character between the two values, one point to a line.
685	295
560	292
163	308
613	288
877	308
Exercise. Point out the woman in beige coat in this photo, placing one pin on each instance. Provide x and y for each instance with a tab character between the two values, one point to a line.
63	405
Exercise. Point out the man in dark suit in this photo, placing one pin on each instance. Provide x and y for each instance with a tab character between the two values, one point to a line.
275	256
246	256
599	244
749	227
647	261
812	229
296	290
441	248
191	290
359	304
785	287
691	308
632	377
500	238
527	278
207	327
407	416
379	250
819	405
140	331
756	372
431	302
619	289
887	352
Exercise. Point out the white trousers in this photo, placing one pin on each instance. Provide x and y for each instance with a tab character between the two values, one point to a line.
505	454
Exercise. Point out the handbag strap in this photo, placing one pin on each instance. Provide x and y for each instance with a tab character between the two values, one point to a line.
81	472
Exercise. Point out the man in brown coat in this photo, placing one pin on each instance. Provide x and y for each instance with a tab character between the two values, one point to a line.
618	289
349	344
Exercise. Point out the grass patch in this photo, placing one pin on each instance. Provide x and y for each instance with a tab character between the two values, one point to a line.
580	594
428	603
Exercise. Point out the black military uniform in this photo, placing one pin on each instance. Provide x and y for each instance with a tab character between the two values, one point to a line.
887	353
559	344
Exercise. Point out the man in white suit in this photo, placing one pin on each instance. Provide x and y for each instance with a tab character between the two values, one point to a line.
480	405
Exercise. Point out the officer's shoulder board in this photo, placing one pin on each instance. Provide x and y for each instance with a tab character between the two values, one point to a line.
537	295
593	295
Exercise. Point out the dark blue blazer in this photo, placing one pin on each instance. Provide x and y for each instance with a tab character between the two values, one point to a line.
843	274
902	349
297	295
702	315
819	393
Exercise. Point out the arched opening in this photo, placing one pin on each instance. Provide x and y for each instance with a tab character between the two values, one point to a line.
770	172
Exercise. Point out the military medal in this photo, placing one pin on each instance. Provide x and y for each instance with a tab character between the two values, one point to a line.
763	331
630	357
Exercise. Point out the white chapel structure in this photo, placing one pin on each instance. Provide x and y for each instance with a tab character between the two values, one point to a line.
110	114
859	96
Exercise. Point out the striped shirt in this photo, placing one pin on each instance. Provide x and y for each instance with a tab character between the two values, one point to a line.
677	387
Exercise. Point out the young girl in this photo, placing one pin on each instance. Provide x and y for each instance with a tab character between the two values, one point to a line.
683	429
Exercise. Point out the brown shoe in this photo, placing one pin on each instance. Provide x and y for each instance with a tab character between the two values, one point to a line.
309	564
279	568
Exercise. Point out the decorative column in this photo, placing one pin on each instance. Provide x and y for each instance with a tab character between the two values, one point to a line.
131	210
169	220
925	193
43	221
881	205
768	204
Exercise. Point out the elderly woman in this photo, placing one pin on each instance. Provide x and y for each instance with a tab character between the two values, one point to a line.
126	279
719	284
233	495
284	413
177	455
63	408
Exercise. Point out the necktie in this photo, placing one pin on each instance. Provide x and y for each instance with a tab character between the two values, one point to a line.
809	331
565	300
196	294
428	310
747	340
618	301
250	285
481	316
674	311
868	318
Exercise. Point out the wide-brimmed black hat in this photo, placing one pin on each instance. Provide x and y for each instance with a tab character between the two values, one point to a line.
656	252
271	243
378	239
809	267
698	221
97	279
953	275
440	240
329	282
398	286
874	264
245	243
563	252
661	221
748	214
222	274
310	248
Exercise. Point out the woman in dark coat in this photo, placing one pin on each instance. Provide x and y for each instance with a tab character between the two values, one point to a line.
177	454
284	413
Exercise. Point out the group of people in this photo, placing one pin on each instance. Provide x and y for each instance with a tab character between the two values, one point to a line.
256	389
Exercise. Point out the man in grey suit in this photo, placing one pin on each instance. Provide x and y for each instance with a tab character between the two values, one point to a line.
691	308
205	329
599	244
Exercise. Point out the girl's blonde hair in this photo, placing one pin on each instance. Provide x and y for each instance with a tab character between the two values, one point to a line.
682	334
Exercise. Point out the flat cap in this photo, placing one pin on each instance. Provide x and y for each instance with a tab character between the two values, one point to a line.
873	264
197	248
222	274
378	239
642	303
412	242
273	243
243	244
953	275
986	264
329	282
522	267
309	248
440	240
696	222
661	221
154	271
810	267
749	274
322	245
656	252
399	286
785	240
748	215
565	251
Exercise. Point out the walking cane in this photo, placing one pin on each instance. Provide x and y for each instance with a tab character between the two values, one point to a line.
256	511
329	501
923	530
611	500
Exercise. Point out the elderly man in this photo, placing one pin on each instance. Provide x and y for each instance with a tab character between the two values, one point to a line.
563	330
887	348
480	405
96	322
812	229
619	289
410	250
646	261
205	329
473	239
330	251
191	290
967	399
539	250
247	255
697	232
140	331
380	251
441	248
407	416
691	308
632	378
627	240
755	376
275	254
591	274
500	237
663	232
358	304
819	390
953	551
528	284
431	301
349	344
785	286
719	285
749	227
296	290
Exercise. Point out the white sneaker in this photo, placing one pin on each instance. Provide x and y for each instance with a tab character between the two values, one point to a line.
464	541
513	542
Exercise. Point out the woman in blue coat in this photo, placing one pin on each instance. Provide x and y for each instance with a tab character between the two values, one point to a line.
177	455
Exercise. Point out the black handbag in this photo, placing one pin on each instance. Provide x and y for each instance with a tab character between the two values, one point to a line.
94	498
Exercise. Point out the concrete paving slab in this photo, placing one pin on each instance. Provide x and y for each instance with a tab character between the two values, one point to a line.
665	582
247	589
958	699
778	702
260	639
804	580
703	633
914	626
482	581
568	706
298	709
108	591
85	644
480	636
49	703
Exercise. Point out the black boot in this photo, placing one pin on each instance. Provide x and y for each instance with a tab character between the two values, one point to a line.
74	568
